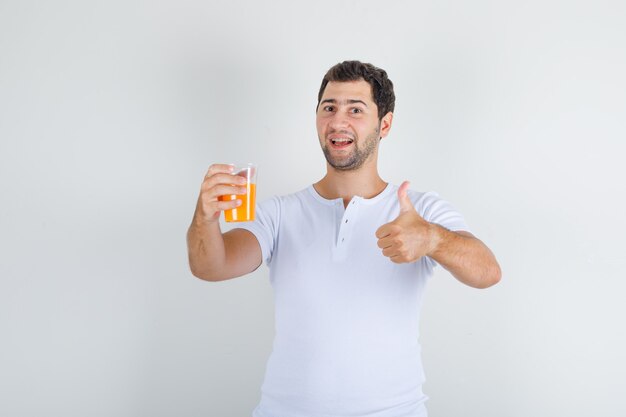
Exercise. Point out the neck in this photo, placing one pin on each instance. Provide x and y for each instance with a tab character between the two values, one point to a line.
363	182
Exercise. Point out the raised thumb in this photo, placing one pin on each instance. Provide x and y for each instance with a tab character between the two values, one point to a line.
403	198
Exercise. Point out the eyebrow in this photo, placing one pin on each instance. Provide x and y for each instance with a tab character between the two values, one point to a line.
349	101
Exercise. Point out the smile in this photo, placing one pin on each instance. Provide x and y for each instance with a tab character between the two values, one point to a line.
341	141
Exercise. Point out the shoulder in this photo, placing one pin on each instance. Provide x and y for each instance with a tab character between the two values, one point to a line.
292	198
429	204
278	203
436	209
422	197
417	197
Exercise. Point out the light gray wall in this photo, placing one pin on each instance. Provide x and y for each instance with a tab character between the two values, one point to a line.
110	113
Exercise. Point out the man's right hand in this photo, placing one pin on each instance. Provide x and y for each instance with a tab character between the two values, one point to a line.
218	181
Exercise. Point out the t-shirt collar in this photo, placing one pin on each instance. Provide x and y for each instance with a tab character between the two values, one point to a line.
385	192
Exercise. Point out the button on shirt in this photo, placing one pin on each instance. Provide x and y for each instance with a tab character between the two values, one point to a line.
346	339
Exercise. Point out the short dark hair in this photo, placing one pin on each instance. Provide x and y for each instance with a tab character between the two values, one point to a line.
382	87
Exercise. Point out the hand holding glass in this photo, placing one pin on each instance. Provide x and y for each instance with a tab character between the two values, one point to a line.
245	211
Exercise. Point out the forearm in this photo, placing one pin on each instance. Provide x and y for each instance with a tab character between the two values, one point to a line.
467	258
206	250
213	255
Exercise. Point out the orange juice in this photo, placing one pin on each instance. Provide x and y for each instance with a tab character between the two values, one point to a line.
245	212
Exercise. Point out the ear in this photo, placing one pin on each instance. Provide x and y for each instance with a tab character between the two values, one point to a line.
385	124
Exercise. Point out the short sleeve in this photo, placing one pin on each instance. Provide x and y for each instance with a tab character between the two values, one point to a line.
436	210
265	226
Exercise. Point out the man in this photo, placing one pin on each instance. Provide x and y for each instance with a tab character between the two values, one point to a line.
349	258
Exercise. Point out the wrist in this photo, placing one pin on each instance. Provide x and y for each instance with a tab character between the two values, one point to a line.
201	221
201	217
437	238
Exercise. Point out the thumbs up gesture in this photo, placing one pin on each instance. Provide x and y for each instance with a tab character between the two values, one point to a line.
409	236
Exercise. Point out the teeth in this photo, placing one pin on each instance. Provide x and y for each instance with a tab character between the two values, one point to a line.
341	140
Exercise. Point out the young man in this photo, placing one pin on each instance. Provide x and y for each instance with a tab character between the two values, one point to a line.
349	258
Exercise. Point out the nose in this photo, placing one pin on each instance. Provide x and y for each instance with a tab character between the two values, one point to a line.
338	121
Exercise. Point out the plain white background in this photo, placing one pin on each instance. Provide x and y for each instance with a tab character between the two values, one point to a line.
111	112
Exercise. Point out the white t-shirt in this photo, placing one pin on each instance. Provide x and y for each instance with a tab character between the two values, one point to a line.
346	317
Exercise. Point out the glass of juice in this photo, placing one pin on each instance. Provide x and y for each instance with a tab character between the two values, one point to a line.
245	212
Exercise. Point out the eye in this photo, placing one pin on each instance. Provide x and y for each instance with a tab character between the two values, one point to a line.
356	110
328	108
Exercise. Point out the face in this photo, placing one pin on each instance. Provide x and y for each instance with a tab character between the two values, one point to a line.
347	124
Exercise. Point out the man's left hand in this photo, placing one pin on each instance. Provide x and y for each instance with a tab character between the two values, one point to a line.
409	236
